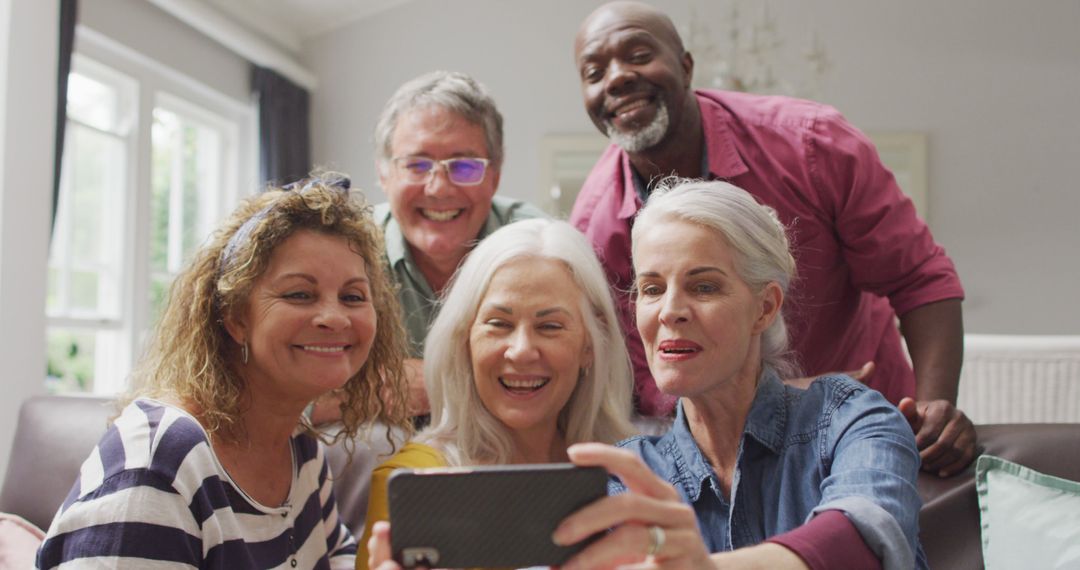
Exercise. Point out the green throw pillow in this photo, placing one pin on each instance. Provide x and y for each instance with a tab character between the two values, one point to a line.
1029	519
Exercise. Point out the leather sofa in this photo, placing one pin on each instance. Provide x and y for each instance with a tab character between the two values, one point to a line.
949	521
56	433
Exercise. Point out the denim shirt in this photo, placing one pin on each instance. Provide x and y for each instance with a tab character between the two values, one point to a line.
836	446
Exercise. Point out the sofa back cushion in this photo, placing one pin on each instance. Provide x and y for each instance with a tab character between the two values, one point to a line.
53	436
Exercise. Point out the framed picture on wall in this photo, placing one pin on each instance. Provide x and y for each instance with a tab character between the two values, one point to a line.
905	154
565	161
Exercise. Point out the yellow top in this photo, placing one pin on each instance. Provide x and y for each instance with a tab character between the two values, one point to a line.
411	456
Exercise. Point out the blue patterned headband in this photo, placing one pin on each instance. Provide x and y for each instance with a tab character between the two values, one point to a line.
333	180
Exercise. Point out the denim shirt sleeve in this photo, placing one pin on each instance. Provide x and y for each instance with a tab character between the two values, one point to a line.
873	465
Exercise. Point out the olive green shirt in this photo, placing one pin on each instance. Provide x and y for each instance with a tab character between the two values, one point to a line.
418	301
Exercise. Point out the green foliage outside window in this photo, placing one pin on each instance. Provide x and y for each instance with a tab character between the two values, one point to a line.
70	361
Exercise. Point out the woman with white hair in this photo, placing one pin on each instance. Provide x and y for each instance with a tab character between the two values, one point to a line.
754	473
524	359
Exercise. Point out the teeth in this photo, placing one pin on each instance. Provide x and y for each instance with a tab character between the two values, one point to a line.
323	348
440	215
631	107
524	384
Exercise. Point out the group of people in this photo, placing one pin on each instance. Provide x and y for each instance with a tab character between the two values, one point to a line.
735	264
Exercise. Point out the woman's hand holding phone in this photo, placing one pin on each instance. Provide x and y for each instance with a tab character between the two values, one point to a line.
651	525
379	547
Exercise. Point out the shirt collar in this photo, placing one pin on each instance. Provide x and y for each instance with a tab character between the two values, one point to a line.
397	250
720	158
721	150
693	470
631	203
767	420
642	188
766	423
491	224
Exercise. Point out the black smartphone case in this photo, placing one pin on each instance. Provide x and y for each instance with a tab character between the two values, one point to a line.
487	517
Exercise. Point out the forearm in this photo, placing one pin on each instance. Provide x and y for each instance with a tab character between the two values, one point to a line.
764	556
414	375
935	339
829	540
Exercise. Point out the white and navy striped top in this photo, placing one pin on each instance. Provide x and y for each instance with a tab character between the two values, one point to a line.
153	494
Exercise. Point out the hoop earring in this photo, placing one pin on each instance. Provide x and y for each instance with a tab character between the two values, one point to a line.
244	352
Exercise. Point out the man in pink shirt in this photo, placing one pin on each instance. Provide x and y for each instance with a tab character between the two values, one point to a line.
863	255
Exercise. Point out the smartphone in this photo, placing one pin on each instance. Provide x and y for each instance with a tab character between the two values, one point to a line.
487	517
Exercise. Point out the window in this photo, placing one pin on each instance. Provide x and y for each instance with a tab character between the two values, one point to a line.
152	163
187	189
86	273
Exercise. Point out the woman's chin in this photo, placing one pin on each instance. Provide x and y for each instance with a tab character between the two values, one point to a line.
523	420
329	383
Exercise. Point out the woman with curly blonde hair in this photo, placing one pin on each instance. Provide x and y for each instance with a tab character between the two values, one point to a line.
211	464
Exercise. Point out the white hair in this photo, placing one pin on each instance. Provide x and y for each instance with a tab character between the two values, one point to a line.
599	407
762	251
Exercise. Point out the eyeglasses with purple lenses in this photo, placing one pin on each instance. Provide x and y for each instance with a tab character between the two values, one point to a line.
461	171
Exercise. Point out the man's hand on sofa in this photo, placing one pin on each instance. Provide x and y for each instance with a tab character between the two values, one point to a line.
944	435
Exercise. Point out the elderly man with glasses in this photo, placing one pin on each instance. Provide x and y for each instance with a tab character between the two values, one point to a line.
439	150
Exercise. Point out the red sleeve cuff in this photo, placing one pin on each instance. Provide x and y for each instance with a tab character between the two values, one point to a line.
829	540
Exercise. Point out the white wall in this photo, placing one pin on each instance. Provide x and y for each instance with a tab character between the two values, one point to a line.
26	162
147	29
520	50
993	84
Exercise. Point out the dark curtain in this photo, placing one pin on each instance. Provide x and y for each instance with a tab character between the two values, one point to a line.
68	16
284	130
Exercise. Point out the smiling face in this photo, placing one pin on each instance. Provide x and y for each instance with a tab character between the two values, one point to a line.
700	322
309	322
439	219
635	76
528	344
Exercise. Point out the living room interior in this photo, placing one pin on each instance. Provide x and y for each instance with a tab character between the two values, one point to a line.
972	101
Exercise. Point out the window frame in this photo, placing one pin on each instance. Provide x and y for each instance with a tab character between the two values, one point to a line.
156	86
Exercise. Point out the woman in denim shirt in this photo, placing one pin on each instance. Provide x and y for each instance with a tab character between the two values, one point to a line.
753	473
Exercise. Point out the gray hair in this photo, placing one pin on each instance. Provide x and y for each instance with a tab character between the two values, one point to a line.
452	91
599	407
762	251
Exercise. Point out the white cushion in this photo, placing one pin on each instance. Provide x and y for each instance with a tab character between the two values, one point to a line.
1029	519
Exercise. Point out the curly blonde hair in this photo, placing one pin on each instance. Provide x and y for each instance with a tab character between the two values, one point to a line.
191	357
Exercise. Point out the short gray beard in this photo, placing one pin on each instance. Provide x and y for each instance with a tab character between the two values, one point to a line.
644	138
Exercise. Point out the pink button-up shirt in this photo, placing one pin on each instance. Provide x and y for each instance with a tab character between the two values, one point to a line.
863	254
